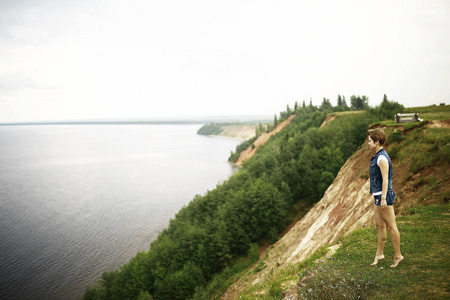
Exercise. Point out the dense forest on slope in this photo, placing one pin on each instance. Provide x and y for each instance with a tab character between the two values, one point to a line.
252	207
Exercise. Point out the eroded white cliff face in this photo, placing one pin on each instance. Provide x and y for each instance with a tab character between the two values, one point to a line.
346	205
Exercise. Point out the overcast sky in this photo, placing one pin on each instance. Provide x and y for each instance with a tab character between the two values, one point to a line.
93	59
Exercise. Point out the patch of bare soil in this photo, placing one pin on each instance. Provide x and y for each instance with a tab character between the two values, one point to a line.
251	150
439	124
328	118
428	186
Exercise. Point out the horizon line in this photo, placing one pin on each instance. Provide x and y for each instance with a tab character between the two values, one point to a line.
145	121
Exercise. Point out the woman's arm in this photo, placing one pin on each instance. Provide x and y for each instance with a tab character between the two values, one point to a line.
384	167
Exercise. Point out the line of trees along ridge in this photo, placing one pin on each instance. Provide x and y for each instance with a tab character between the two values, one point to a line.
209	235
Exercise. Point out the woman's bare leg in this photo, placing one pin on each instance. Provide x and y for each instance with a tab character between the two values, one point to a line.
381	230
388	216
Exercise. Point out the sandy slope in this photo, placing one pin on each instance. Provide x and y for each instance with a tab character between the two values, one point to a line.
244	132
250	151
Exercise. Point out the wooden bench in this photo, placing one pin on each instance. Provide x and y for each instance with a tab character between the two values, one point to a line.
404	118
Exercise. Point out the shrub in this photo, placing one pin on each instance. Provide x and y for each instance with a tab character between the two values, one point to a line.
253	253
395	137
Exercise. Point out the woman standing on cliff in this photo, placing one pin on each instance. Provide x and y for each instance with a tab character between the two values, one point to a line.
381	188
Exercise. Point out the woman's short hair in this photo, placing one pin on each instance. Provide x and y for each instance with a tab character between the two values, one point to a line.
377	134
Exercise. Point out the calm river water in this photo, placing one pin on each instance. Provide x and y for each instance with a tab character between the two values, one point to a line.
77	200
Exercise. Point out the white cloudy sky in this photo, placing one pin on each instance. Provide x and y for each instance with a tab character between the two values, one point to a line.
91	59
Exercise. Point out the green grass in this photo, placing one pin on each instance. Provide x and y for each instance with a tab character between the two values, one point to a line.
427	109
428	113
424	147
405	126
420	149
423	274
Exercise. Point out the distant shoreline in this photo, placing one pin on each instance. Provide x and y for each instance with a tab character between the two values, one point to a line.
225	137
108	123
193	121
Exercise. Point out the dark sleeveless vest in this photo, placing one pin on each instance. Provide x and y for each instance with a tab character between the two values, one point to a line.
376	180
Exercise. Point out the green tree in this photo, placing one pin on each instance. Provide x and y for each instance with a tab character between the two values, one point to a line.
253	253
326	105
261	128
144	295
339	101
344	103
326	178
95	293
181	284
359	103
388	109
288	110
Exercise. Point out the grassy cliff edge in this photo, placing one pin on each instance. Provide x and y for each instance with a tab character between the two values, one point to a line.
342	221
